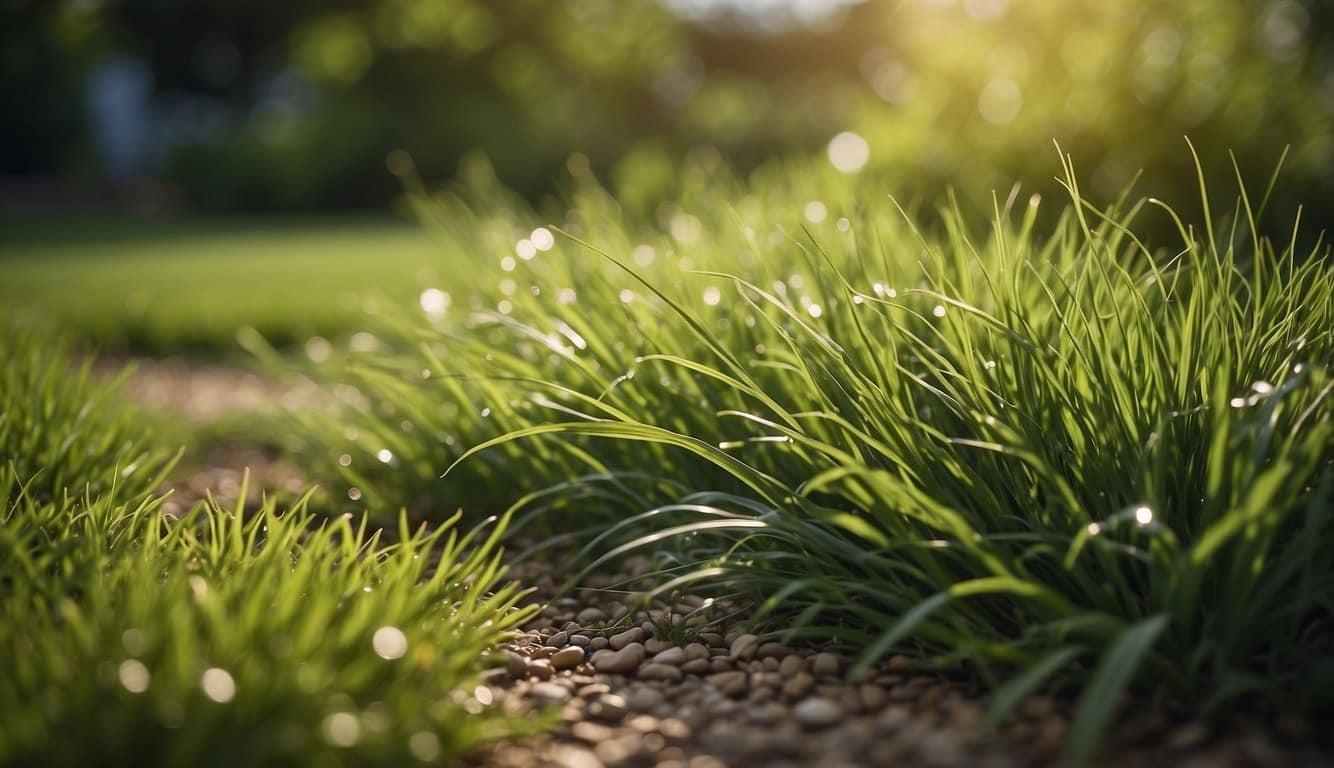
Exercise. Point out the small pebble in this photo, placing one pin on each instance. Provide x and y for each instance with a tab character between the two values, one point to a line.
539	668
550	692
798	686
621	661
622	639
673	656
696	667
744	647
644	699
654	645
568	657
608	708
872	697
654	671
731	683
825	665
817	713
515	664
590	616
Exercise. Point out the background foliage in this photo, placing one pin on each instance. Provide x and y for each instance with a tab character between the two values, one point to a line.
298	105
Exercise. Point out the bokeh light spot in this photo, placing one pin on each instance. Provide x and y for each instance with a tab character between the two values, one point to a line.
849	152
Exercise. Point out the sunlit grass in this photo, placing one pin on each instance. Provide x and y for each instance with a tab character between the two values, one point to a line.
1057	456
189	284
228	636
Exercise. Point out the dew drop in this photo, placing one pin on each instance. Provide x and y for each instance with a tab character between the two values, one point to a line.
134	676
542	239
848	152
434	302
425	746
342	729
218	684
389	643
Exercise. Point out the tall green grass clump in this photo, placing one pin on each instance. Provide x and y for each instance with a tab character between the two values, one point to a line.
1060	457
227	636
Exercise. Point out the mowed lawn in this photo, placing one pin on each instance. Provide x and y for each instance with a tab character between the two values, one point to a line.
189	283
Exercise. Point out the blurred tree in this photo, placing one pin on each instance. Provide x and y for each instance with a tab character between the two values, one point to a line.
297	104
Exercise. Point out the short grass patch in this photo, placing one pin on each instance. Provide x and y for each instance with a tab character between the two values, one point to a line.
188	285
226	636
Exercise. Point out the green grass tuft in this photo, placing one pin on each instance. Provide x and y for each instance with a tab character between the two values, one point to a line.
228	636
1075	461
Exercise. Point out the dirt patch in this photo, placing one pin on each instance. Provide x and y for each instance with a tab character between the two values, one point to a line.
203	393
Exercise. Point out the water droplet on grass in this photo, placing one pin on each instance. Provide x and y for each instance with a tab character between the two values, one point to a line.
389	643
134	676
218	684
425	746
848	152
434	301
342	729
542	239
644	255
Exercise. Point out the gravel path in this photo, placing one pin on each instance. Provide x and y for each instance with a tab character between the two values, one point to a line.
667	686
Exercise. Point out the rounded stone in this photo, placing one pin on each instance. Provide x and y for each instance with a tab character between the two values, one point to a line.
816	712
621	661
791	665
622	639
744	647
825	664
568	657
673	656
655	671
550	692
